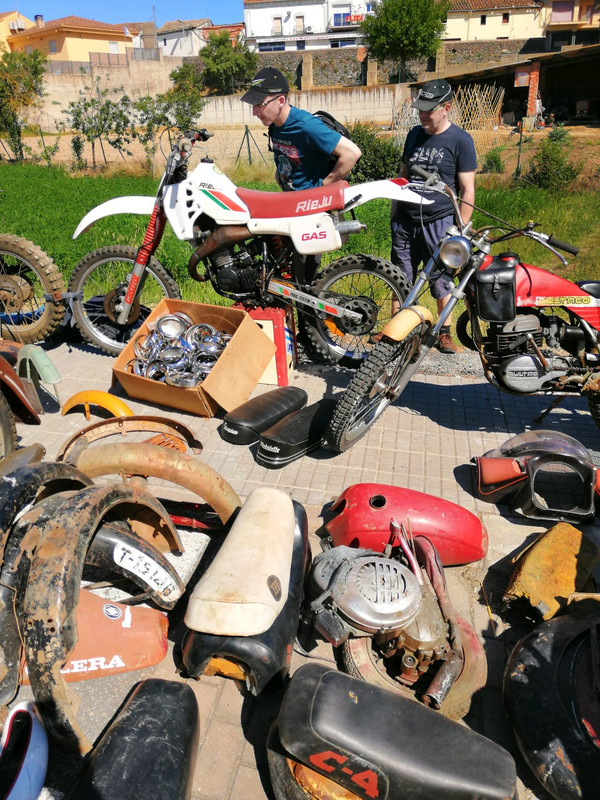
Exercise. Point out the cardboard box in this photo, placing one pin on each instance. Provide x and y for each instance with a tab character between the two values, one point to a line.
232	379
279	325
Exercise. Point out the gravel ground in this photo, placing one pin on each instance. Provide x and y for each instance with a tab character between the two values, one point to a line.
466	362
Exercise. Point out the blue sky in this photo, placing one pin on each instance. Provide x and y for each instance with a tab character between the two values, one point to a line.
117	11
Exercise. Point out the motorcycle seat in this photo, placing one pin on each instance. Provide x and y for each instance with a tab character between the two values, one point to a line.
270	205
246	585
244	424
256	659
591	287
358	734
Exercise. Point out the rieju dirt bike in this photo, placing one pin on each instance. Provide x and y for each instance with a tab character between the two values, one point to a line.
536	333
247	243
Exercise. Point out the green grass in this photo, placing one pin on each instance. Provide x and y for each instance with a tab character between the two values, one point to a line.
45	204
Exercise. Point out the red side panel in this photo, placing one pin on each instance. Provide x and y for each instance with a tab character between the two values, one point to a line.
363	513
113	638
538	287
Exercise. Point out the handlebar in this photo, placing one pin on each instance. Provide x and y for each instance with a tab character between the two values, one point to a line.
433	182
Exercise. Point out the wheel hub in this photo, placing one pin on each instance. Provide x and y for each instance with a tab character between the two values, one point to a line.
13	293
110	300
368	311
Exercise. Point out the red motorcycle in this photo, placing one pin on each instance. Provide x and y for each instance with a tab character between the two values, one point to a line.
536	333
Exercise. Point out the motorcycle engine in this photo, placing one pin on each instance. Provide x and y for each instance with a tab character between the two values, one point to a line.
234	269
517	365
356	592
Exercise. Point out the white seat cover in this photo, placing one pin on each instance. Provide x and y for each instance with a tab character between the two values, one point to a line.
246	586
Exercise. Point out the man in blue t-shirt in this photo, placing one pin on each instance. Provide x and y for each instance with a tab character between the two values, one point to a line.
303	146
436	145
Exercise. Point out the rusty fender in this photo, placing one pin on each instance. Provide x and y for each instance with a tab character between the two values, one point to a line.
179	468
49	605
165	428
22	458
21	487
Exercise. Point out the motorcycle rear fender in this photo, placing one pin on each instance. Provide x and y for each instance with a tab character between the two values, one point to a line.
14	391
105	400
363	512
133	204
391	189
378	744
405	321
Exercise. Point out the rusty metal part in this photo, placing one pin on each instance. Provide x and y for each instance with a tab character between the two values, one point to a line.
49	605
24	485
559	562
116	406
169	430
21	458
179	468
13	389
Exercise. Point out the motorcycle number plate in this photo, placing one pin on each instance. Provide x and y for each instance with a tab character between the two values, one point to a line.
139	564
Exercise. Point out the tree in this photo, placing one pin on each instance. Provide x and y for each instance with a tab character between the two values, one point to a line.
96	117
21	87
184	98
404	29
227	67
153	113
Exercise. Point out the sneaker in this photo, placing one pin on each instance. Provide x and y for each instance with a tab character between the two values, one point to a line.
445	344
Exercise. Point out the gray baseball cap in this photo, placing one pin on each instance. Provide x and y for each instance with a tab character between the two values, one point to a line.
431	94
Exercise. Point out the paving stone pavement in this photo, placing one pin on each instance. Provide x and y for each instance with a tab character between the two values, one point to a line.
425	441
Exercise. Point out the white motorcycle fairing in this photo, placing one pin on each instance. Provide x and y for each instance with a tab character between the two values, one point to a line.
129	204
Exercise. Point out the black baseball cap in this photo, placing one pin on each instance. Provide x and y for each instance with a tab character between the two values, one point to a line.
267	81
431	94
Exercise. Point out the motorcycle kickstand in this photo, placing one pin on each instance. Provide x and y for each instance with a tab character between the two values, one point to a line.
556	402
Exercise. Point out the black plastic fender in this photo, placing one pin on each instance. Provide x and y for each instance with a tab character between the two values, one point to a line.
149	749
553	706
379	744
49	605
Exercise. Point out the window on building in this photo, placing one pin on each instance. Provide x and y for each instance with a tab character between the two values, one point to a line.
301	44
370	8
113	47
299	23
483	19
562	11
29	49
277	25
341	15
505	18
164	42
52	46
342	42
267	47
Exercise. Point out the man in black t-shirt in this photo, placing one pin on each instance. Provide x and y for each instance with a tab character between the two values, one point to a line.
436	145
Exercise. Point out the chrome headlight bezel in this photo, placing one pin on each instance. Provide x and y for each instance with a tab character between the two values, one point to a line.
455	252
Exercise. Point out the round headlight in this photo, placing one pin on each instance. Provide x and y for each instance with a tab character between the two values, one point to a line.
455	252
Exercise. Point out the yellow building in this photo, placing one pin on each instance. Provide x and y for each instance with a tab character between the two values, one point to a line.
74	39
12	23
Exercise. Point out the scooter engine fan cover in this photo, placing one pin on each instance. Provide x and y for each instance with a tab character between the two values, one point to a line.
370	592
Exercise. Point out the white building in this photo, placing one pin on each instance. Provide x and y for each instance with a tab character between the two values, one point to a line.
319	24
303	25
182	37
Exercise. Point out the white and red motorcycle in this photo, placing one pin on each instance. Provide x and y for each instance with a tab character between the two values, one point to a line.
247	243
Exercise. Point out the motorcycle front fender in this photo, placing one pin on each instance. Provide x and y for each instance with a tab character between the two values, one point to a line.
133	204
14	391
94	397
406	321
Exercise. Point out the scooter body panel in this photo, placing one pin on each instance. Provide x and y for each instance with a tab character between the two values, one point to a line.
363	513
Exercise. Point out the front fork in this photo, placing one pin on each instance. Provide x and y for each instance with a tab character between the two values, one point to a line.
152	239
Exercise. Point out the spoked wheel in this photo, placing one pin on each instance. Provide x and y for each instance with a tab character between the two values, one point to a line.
373	288
101	278
31	290
8	431
360	658
371	390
